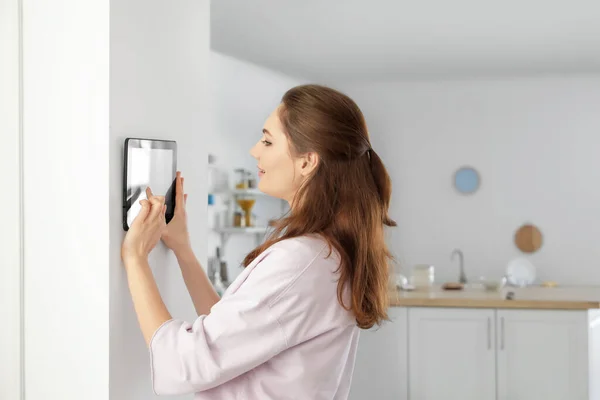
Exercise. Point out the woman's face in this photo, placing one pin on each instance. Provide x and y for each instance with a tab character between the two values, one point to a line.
280	175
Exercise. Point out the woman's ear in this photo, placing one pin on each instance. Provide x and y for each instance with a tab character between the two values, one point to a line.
310	161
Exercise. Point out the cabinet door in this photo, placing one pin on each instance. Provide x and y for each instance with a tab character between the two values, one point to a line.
380	367
451	354
542	355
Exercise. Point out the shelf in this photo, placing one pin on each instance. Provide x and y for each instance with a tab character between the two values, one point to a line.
259	233
253	192
249	230
231	197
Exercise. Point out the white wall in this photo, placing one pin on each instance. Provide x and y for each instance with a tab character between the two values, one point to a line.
66	182
10	252
158	89
243	95
81	335
535	142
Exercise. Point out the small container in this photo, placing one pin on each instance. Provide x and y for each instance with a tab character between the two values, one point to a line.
423	276
251	181
241	179
237	219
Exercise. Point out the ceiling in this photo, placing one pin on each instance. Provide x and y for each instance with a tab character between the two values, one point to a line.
350	40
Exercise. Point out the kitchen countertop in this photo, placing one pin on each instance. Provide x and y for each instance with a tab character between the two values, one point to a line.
533	297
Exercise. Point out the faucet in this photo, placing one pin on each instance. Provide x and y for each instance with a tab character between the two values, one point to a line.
462	278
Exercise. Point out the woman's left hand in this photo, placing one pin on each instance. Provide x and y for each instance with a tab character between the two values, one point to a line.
146	229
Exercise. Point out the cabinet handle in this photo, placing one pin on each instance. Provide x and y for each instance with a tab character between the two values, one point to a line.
501	333
489	332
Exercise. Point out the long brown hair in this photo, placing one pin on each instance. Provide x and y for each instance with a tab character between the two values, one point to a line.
346	199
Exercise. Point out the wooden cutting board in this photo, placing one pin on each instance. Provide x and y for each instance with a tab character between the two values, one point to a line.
528	238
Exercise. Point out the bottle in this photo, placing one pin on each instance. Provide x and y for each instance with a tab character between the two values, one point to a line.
221	265
211	190
223	273
211	272
224	216
219	286
211	211
221	279
212	174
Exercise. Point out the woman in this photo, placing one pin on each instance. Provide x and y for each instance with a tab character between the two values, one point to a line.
288	326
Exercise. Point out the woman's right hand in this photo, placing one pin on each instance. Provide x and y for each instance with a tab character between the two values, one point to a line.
176	235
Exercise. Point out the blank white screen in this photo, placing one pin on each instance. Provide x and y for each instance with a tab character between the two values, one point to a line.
149	167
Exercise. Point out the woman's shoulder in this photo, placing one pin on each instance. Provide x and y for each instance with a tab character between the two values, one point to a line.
304	242
289	262
304	248
297	253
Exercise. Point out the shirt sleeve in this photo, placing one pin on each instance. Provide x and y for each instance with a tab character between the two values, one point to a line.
241	332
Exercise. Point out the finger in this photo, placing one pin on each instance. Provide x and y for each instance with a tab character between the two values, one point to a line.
185	198
143	214
162	215
157	203
149	192
179	198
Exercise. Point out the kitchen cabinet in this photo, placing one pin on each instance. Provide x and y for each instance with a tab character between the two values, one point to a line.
451	354
380	368
503	354
447	353
542	355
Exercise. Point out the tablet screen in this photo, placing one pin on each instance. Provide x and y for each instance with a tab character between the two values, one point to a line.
150	163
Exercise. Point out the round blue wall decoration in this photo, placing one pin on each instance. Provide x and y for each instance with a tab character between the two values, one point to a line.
467	180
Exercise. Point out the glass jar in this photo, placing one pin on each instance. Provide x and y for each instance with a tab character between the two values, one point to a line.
241	181
237	219
251	181
423	276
